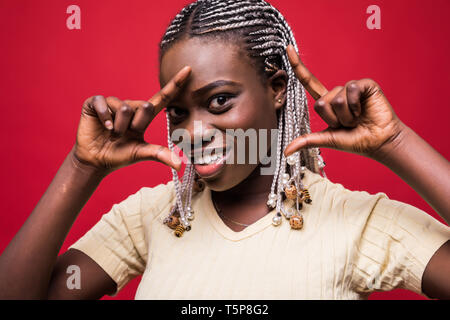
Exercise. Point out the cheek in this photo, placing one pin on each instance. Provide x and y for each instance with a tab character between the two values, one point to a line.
250	113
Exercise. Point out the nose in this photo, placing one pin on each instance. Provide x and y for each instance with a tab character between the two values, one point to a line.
196	133
201	133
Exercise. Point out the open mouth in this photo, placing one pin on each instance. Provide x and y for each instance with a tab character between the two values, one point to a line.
209	162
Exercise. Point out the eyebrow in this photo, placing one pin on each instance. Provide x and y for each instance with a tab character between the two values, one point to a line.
212	85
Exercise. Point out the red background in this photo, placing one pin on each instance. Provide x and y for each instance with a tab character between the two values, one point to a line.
47	71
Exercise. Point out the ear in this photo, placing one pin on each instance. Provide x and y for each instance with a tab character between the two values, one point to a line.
277	85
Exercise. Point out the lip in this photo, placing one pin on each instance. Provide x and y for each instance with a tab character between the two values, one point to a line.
207	171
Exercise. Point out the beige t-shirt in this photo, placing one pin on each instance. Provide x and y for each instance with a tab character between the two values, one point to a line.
352	243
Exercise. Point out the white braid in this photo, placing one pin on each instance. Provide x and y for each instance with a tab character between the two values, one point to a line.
269	34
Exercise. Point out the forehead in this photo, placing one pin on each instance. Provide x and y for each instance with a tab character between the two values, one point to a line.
210	60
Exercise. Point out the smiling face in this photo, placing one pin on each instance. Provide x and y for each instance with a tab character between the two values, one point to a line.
224	91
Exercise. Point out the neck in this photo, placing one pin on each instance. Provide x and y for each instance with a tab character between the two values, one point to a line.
246	202
255	185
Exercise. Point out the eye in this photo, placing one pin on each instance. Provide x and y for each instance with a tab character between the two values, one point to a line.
220	103
176	114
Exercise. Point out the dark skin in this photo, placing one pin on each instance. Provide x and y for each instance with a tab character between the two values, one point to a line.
240	182
110	136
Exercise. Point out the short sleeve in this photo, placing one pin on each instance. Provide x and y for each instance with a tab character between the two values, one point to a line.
396	244
117	243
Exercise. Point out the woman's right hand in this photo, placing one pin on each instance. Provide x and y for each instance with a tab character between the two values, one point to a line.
111	131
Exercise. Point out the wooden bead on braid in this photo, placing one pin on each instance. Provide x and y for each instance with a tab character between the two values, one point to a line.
265	34
179	230
306	196
173	222
296	222
291	192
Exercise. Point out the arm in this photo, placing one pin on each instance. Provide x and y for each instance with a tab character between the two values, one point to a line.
436	277
420	166
428	173
110	136
26	264
362	121
95	282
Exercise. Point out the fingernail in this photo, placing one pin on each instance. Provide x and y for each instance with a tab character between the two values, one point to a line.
109	125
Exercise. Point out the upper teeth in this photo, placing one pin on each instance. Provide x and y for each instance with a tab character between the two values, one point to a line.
208	159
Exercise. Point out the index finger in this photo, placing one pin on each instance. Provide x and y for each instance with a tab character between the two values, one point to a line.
307	79
170	90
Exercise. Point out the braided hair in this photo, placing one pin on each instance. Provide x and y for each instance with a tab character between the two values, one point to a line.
263	34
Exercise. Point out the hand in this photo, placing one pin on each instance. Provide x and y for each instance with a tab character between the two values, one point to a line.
359	116
111	132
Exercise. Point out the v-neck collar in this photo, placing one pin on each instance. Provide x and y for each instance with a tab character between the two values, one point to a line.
219	225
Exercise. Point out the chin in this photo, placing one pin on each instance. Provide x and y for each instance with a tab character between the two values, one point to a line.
229	178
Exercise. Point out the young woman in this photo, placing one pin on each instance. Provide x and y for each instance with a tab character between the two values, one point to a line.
225	230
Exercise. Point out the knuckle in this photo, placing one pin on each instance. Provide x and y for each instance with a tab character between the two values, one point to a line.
135	154
97	98
88	106
332	140
338	102
371	82
371	87
306	79
319	106
156	152
89	101
352	85
101	113
126	109
147	107
308	141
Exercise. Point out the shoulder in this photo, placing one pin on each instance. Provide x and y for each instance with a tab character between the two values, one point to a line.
155	200
361	210
146	203
375	215
334	198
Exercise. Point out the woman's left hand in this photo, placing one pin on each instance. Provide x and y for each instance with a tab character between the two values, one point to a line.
360	118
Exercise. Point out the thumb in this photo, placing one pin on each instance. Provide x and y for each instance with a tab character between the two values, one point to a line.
146	151
319	139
